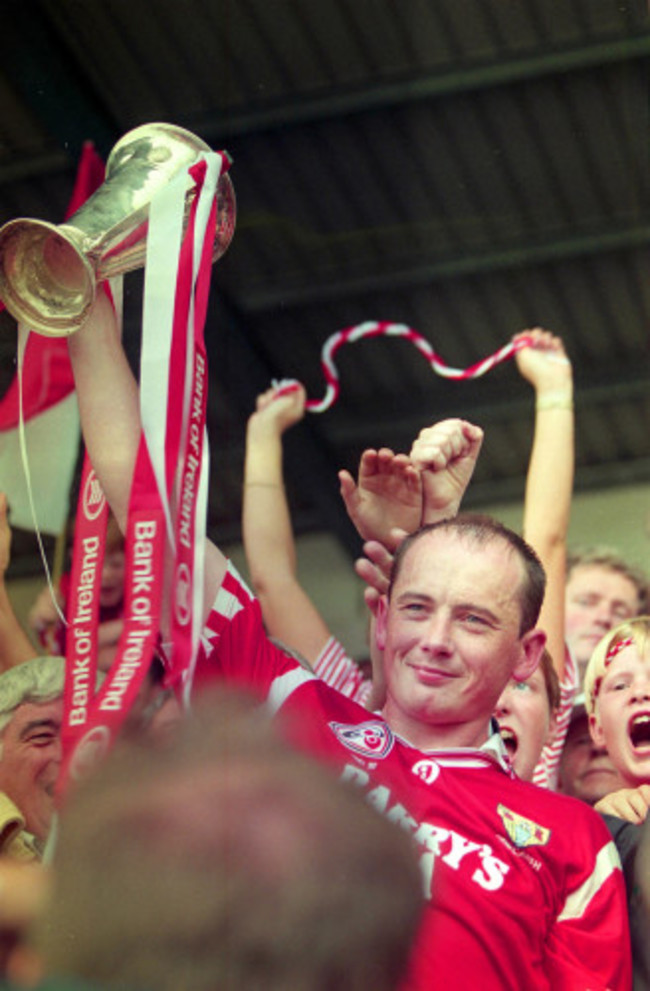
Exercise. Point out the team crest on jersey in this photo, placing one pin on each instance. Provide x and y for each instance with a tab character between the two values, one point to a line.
371	739
523	832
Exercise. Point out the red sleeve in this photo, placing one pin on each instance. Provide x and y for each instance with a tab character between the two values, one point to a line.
234	644
588	948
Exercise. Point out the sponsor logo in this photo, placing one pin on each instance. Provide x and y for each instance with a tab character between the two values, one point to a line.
428	770
474	860
523	832
370	739
89	751
93	500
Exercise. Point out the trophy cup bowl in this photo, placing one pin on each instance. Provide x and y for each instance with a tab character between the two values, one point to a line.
49	272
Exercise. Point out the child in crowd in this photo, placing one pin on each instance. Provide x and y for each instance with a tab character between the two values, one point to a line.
527	716
617	695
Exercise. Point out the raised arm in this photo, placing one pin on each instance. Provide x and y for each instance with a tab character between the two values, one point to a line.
289	614
15	645
107	394
549	482
110	418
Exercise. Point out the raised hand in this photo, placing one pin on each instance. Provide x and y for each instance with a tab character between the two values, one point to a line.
279	412
387	495
627	803
544	364
445	456
375	570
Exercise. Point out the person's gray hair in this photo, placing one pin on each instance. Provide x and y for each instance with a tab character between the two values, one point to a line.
38	680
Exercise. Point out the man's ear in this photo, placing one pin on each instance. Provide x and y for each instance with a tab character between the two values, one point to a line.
381	619
596	731
532	647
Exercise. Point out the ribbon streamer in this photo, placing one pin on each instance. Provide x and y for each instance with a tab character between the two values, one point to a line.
382	328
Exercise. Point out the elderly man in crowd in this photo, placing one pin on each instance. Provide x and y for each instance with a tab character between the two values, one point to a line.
523	887
31	711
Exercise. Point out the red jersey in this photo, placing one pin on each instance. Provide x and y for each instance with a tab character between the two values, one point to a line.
524	888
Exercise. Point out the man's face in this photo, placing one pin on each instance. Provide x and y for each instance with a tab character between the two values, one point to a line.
597	600
586	771
29	765
450	635
621	721
525	721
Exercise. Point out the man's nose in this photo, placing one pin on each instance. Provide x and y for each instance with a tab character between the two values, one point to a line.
605	615
595	752
437	635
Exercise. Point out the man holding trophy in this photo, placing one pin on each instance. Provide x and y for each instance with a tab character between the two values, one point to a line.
513	892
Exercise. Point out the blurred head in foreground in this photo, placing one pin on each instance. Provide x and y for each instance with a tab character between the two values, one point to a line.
228	861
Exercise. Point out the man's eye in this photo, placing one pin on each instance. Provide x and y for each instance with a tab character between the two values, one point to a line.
42	739
475	620
414	608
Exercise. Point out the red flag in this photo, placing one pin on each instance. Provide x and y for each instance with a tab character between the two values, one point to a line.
49	408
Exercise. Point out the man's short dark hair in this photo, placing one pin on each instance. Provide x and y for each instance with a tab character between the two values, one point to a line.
480	530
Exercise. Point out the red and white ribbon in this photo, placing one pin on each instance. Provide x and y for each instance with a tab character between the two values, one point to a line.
169	492
382	328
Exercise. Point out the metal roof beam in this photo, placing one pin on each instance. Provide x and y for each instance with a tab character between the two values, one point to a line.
516	256
331	104
619	383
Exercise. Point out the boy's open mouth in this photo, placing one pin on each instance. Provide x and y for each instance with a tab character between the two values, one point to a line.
509	737
639	731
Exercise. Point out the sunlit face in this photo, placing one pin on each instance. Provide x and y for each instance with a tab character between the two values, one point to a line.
586	770
30	761
111	591
621	721
450	636
597	599
525	721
